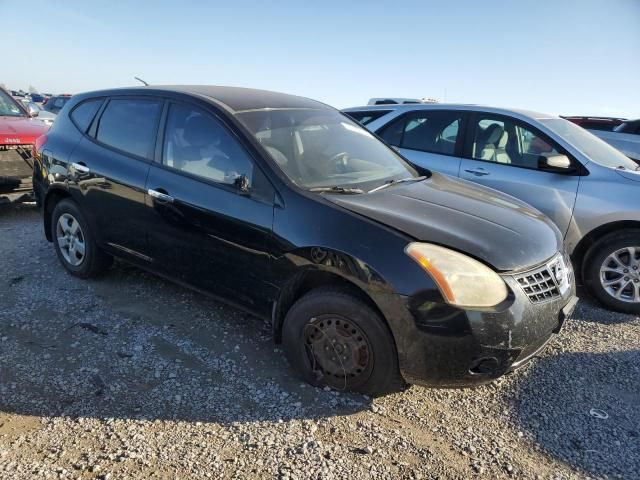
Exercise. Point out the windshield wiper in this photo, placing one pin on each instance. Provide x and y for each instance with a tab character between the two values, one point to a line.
336	189
395	182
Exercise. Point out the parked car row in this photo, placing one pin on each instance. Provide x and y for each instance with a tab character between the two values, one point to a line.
373	263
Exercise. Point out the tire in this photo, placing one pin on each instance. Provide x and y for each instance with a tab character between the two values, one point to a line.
92	261
369	361
626	277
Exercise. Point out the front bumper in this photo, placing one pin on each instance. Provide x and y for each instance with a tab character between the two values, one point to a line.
16	168
445	346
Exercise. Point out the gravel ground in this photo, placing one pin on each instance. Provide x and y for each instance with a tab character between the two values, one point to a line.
130	376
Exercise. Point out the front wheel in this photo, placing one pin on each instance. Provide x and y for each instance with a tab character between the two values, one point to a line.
334	339
611	271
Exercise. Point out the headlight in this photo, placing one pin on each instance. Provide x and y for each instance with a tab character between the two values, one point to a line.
463	281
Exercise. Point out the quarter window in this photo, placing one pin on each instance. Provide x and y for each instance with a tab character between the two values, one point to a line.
84	113
197	143
427	131
130	125
509	142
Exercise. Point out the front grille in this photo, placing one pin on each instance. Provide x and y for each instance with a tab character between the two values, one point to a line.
547	282
16	162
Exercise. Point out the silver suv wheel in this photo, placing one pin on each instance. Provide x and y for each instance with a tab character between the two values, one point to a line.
70	239
620	274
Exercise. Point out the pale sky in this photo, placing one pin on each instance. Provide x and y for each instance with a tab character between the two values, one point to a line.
568	57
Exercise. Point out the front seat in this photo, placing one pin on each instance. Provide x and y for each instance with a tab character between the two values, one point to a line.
501	155
488	143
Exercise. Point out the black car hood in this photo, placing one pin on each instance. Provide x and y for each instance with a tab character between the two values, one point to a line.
504	232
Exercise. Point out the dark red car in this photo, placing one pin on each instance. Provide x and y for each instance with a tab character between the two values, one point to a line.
18	133
596	123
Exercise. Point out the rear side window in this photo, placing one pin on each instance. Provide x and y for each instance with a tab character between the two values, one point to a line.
60	101
366	117
130	125
84	113
427	131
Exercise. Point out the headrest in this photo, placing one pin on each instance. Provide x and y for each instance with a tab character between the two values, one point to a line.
198	131
493	133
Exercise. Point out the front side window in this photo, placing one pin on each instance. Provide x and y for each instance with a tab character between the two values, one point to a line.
426	131
130	125
322	148
9	107
508	141
60	102
197	143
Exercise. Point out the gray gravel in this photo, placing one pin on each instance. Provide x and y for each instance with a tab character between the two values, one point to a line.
130	376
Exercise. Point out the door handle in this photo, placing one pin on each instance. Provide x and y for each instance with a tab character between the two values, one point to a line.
478	172
80	167
161	197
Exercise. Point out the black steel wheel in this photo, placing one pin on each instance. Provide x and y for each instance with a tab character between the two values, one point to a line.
332	338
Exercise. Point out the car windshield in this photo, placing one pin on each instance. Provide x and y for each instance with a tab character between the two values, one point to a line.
323	148
9	107
597	150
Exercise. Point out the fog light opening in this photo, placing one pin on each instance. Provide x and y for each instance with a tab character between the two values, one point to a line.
485	366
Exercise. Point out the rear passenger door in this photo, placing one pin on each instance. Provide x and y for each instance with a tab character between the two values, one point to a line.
109	167
504	153
212	209
428	138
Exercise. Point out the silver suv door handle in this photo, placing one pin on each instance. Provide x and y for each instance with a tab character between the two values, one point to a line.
78	167
478	172
163	197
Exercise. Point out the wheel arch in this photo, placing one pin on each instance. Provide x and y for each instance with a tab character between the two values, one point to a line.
586	242
52	198
309	279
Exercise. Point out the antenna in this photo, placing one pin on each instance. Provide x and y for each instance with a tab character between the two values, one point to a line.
142	81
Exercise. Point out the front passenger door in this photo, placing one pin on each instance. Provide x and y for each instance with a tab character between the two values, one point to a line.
504	153
212	210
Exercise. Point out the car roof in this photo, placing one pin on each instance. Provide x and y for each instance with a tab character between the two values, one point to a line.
453	106
234	99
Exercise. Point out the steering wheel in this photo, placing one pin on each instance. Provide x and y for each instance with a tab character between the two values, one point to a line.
340	161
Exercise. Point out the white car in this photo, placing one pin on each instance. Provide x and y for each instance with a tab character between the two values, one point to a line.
399	101
42	115
625	137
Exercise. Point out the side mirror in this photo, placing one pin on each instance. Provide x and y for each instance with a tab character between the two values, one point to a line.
242	183
33	109
554	162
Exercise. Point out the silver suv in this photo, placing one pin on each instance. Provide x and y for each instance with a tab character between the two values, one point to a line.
588	188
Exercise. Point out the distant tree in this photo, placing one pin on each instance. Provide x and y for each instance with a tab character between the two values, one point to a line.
32	89
2	85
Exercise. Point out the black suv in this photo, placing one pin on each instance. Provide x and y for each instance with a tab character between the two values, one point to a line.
371	273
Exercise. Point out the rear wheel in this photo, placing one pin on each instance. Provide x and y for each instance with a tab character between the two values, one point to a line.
334	339
612	271
74	242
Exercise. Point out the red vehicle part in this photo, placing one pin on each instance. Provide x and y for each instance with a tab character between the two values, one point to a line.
18	134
